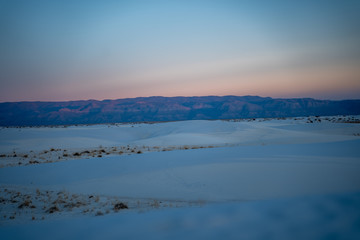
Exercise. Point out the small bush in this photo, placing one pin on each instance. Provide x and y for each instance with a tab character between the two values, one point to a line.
99	213
53	209
119	206
24	204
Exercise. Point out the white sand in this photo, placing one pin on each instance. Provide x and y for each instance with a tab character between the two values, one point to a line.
256	160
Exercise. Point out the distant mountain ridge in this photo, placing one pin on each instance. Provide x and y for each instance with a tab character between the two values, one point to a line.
149	109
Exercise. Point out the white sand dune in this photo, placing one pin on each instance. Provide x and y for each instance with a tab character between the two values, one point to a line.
174	133
258	160
268	159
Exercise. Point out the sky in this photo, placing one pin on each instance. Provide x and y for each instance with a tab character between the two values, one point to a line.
63	50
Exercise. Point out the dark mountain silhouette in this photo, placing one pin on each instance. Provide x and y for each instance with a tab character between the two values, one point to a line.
167	109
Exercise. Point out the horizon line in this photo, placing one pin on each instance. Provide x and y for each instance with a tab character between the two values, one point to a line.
221	96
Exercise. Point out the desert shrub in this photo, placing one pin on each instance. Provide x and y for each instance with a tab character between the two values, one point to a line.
53	209
99	213
119	206
26	203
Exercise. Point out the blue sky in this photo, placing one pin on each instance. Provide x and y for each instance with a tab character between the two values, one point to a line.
70	50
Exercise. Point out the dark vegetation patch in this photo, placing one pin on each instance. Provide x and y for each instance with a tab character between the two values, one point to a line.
25	205
56	155
119	206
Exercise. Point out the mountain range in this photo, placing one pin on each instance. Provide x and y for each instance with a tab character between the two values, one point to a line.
151	109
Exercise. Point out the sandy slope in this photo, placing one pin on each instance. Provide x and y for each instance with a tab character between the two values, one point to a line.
316	217
22	146
257	160
217	174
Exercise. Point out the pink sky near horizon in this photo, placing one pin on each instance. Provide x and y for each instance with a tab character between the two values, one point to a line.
322	82
275	85
111	50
